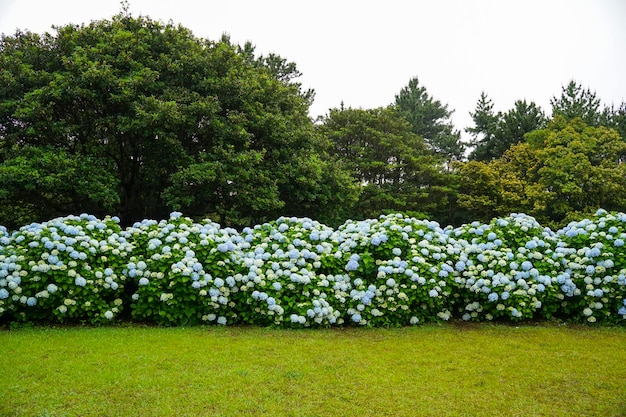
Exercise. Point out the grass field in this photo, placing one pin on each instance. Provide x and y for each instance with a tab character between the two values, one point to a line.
451	370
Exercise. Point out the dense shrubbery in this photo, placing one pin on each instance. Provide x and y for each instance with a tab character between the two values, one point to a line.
296	272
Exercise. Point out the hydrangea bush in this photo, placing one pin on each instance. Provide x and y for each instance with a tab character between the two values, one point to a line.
290	276
594	277
66	270
505	269
397	268
181	271
296	272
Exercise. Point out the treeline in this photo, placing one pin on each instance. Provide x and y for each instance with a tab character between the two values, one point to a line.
135	118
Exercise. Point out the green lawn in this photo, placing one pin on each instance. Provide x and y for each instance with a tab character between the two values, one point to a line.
451	370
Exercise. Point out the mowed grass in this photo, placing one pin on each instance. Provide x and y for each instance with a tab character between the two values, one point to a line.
450	370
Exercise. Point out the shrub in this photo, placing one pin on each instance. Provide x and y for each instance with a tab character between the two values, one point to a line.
181	271
296	272
66	270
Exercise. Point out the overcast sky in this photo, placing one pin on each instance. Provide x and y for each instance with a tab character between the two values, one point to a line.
364	52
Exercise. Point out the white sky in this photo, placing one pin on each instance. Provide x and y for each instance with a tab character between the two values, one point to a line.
363	52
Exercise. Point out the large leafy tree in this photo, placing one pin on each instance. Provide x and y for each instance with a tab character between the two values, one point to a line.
166	119
567	168
395	168
430	119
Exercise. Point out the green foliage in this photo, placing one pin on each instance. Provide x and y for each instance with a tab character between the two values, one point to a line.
575	102
165	119
41	181
615	118
494	133
430	120
296	272
569	167
395	168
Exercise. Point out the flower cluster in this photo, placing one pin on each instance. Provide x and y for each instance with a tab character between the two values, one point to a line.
296	272
593	280
505	269
181	271
398	270
66	269
290	275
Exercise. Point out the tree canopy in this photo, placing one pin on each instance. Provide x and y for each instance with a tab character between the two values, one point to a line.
576	101
567	168
430	119
394	167
164	119
135	118
494	133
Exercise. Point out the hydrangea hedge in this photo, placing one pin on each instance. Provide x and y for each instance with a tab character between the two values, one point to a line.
296	272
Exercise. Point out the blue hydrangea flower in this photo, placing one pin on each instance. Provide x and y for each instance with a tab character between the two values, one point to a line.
353	263
593	252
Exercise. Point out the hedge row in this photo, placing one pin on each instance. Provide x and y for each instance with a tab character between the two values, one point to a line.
296	272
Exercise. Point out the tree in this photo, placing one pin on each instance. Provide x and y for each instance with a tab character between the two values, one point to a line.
615	118
172	122
46	180
394	166
489	189
430	119
494	133
580	169
568	167
574	102
485	129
